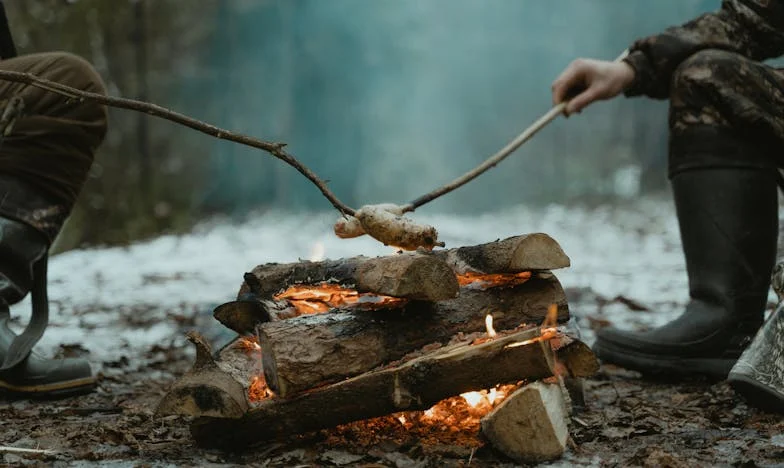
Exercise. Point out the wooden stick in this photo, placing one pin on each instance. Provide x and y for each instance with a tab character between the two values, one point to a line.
493	160
274	149
7	449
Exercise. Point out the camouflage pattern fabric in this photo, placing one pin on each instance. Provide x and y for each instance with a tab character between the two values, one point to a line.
751	28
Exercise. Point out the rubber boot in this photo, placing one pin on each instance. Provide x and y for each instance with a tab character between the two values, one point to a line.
23	252
729	225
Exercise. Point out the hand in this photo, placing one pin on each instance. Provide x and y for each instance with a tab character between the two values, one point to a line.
586	81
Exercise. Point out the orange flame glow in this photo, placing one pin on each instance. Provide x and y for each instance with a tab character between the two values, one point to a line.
258	389
319	298
485	281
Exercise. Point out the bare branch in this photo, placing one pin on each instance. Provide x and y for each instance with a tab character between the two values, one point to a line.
275	149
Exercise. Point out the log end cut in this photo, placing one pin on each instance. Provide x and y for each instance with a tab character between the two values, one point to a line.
531	425
538	251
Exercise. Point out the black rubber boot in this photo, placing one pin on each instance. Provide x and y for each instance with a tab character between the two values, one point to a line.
23	252
728	221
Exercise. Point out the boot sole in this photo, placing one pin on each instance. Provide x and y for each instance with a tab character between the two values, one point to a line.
664	366
52	390
756	394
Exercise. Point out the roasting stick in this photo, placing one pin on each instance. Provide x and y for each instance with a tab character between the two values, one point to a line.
493	160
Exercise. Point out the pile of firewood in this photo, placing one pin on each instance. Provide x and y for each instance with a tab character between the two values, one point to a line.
398	333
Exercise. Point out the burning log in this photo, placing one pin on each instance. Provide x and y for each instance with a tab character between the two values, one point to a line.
531	425
411	276
313	350
415	385
529	252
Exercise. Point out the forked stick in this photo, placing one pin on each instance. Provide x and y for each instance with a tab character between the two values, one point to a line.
493	160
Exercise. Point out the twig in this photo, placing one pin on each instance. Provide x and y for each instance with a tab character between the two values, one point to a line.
275	149
7	449
493	160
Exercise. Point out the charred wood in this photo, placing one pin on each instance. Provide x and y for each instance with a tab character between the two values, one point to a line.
415	276
312	350
415	385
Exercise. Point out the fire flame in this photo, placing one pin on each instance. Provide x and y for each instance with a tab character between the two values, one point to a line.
317	252
319	298
485	281
258	389
489	326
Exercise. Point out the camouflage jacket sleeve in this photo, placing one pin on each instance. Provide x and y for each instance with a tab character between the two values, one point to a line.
752	28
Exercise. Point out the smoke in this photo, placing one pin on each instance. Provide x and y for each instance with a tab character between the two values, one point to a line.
388	99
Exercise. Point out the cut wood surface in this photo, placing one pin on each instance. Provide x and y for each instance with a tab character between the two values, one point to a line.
528	252
418	276
415	385
531	425
312	350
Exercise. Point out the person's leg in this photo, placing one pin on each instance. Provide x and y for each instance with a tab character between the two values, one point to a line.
43	164
727	136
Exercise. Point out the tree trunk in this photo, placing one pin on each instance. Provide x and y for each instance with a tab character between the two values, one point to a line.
313	350
415	385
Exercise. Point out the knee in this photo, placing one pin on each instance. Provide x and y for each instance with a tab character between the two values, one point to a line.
703	69
78	72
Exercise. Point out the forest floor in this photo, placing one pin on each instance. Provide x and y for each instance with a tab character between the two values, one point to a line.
127	310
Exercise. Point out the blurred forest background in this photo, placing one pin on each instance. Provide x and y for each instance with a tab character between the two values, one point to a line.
386	99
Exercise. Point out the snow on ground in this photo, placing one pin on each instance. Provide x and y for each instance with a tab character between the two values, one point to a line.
630	250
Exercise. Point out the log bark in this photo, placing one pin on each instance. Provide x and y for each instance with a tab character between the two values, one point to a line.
531	425
415	385
528	252
417	276
308	351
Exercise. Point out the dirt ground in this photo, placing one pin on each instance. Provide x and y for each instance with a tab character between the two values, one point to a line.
628	422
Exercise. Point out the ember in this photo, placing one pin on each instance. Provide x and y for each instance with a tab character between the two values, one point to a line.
258	389
319	298
485	281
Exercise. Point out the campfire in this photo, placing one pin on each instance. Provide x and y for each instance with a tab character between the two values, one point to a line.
456	338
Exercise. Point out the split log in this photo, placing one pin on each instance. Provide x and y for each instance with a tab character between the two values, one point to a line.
415	385
531	425
529	252
207	389
312	350
415	276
